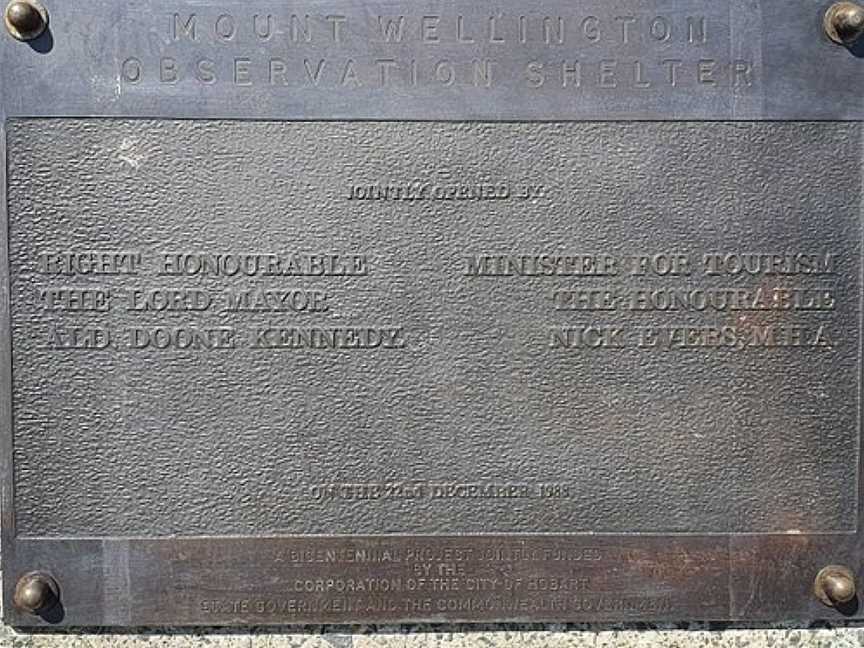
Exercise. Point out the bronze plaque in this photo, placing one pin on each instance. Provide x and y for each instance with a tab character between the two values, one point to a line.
371	312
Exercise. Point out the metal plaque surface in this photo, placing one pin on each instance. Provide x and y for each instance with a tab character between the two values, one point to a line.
341	311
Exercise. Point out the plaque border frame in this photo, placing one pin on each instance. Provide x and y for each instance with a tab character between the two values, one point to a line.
135	581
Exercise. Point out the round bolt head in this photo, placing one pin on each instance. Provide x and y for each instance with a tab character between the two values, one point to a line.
26	19
835	585
844	22
35	592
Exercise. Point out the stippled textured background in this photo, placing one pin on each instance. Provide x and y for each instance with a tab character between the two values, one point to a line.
148	442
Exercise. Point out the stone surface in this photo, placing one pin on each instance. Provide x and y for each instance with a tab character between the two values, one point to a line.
683	636
440	637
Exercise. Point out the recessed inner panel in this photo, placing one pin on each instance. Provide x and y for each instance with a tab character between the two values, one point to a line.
371	328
